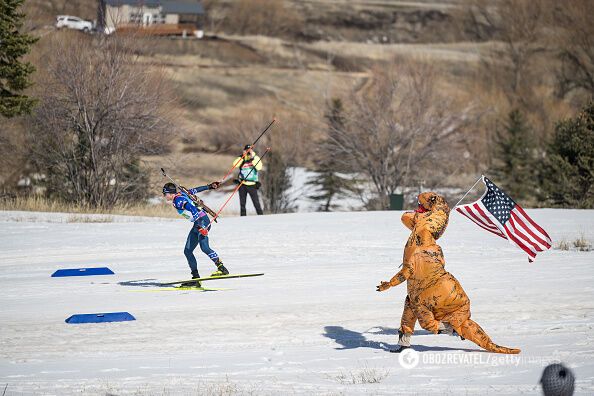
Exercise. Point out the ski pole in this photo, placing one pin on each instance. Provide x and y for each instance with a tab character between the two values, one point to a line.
244	154
189	195
238	186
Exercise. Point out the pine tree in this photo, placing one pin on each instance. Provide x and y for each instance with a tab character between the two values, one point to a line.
568	174
328	182
276	182
13	73
514	152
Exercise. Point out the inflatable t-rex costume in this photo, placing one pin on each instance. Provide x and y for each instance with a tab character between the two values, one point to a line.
434	295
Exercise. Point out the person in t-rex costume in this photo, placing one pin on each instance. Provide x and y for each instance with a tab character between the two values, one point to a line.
434	295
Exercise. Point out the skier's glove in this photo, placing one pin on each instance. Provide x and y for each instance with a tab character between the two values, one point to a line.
383	286
203	231
214	185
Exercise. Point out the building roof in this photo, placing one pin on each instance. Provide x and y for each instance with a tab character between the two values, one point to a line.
167	6
182	7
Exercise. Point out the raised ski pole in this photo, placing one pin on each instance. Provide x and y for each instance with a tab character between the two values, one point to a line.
238	186
191	196
252	145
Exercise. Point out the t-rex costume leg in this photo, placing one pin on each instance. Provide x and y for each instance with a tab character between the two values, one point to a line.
434	295
409	318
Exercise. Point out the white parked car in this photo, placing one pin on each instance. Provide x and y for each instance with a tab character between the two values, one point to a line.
72	22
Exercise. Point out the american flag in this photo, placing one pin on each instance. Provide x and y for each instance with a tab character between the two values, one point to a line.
496	212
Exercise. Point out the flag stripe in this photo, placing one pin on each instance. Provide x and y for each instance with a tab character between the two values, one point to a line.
510	236
530	244
479	207
476	222
545	245
518	243
539	228
477	219
545	240
484	220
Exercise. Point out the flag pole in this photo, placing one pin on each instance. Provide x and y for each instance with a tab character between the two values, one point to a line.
479	179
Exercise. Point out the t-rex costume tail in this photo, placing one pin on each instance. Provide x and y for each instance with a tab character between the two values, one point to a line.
434	295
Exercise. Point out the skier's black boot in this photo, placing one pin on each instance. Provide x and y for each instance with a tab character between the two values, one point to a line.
221	270
192	283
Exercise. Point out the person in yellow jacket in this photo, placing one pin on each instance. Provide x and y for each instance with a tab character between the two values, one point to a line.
434	295
248	164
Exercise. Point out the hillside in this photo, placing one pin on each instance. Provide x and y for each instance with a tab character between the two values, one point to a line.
221	79
292	59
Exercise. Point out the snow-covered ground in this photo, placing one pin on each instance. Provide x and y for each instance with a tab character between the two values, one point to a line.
314	324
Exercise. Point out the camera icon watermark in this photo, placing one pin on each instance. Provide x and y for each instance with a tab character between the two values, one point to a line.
409	358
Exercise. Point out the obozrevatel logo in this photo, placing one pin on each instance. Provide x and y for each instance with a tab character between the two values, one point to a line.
409	358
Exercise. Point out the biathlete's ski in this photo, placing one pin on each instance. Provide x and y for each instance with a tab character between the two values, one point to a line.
230	276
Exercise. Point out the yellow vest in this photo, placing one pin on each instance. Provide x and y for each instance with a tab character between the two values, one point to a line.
257	164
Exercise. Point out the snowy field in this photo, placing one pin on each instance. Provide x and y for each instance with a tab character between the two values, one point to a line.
314	324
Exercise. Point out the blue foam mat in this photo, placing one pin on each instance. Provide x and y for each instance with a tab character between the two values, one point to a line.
100	317
82	272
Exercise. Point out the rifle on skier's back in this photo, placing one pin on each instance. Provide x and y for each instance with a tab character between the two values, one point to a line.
197	201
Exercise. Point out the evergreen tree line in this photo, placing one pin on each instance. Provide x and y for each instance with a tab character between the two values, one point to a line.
14	74
554	173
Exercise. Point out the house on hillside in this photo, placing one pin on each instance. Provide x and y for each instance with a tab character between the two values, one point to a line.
151	17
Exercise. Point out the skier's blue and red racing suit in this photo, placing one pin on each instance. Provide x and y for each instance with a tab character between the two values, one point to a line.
186	207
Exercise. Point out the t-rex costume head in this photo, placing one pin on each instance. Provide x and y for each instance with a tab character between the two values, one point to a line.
432	215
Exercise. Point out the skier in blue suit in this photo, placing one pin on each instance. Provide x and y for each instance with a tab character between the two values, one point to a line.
201	225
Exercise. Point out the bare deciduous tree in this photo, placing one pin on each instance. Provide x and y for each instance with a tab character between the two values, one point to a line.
573	41
276	181
13	161
518	26
100	110
397	127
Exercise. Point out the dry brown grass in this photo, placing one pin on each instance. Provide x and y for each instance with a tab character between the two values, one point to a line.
362	376
580	244
40	204
457	52
189	168
89	219
269	17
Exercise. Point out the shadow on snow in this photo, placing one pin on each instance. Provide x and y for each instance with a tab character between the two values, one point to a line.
349	339
142	283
